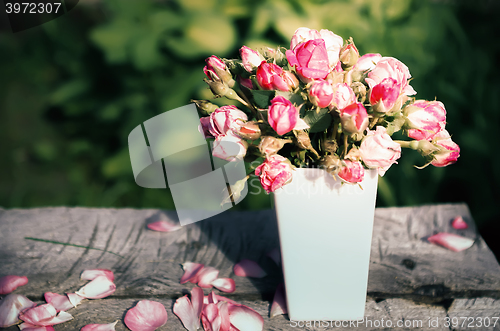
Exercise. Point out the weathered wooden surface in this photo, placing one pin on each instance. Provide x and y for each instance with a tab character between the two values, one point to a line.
404	266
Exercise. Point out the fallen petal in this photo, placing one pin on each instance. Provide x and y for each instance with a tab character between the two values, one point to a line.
206	276
275	256
197	303
244	318
30	327
98	288
220	298
191	270
91	274
248	268
164	226
210	318
11	282
224	284
44	315
451	241
279	302
11	306
185	311
459	223
99	327
60	318
74	298
224	314
146	316
60	302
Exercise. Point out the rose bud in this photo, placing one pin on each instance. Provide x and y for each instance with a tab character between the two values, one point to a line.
379	151
304	142
331	163
354	118
270	145
349	55
329	146
275	172
424	119
282	115
216	70
205	106
225	120
249	130
321	93
448	152
220	89
251	59
383	96
343	96
272	77
310	60
247	82
352	172
389	67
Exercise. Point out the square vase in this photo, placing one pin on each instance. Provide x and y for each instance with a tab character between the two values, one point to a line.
325	229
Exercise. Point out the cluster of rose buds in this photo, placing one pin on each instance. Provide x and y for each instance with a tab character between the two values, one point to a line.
320	104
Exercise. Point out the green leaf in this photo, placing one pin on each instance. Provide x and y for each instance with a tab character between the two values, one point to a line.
294	98
318	121
263	98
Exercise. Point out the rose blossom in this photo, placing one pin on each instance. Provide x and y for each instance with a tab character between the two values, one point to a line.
225	119
352	172
367	62
229	147
251	59
389	67
321	93
216	69
333	43
425	119
272	77
383	96
378	150
343	96
310	60
275	172
354	118
282	115
449	150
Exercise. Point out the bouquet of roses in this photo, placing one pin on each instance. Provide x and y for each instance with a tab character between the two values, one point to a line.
319	104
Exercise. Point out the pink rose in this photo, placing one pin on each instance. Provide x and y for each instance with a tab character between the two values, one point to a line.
226	119
343	96
352	172
333	43
354	118
275	172
310	60
251	59
425	119
282	115
216	68
389	67
247	82
367	62
378	150
384	95
449	150
229	147
272	77
205	127
321	93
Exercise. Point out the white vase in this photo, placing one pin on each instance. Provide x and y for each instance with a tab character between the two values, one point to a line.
325	230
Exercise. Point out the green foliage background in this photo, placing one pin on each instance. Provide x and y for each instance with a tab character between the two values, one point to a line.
72	89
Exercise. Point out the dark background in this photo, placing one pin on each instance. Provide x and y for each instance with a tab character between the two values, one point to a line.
72	89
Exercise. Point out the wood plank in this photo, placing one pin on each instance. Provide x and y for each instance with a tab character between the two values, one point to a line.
403	265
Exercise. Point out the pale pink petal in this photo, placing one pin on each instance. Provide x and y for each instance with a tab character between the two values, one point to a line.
197	302
99	288
74	298
31	327
60	318
91	274
99	327
164	226
451	241
301	125
459	223
275	255
11	306
206	276
59	301
191	271
224	284
244	318
220	298
248	268
210	318
146	316
186	313
44	315
211	298
224	315
11	282
279	302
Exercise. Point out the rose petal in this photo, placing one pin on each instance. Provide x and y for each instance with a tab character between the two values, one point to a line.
11	306
244	318
31	327
224	284
11	282
206	276
279	302
99	327
191	271
210	318
91	274
197	302
99	288
248	268
189	311
275	255
44	315
59	301
459	223
60	318
146	316
301	125
164	226
224	315
451	241
74	298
